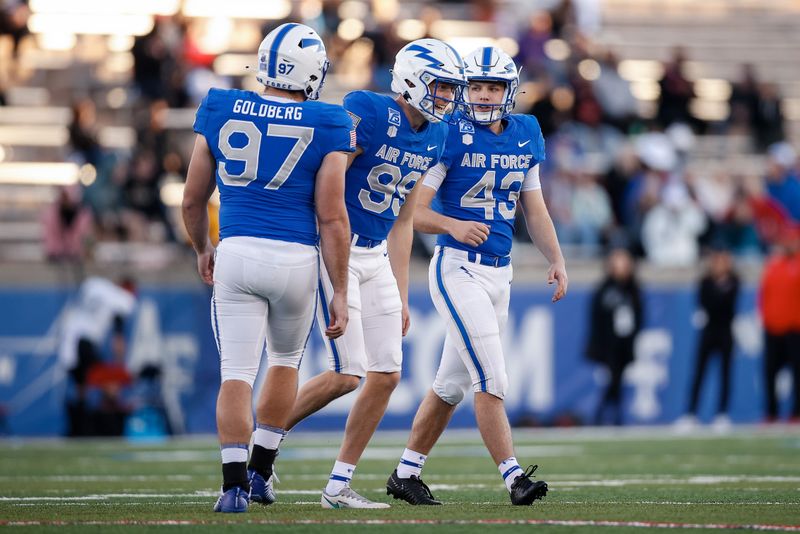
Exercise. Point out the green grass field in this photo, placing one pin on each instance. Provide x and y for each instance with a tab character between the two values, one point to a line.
600	480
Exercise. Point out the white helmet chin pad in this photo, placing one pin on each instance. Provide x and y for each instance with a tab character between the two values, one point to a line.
491	64
419	68
292	57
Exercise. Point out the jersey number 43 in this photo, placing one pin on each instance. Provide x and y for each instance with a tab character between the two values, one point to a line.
481	195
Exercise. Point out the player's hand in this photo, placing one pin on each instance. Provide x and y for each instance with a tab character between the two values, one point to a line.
471	233
339	316
557	274
205	264
406	319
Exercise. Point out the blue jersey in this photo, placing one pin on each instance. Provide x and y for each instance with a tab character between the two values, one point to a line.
267	153
394	158
484	177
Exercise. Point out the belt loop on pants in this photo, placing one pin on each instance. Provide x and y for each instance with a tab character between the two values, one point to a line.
361	241
491	261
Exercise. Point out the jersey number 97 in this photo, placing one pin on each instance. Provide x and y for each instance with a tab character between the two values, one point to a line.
250	152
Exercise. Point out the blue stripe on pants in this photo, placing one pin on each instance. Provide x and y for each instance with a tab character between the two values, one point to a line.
337	363
216	322
459	323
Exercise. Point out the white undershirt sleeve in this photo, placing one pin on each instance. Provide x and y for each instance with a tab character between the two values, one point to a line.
531	181
435	176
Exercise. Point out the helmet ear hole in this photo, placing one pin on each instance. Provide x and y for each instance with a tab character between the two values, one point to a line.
410	83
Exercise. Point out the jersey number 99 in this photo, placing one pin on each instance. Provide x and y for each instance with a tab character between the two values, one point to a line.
397	184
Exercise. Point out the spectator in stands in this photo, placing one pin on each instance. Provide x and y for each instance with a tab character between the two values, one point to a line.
145	216
615	320
100	309
715	191
671	229
552	106
483	10
531	57
564	19
768	123
676	92
780	313
590	138
743	102
386	44
83	132
769	216
67	230
591	215
738	229
151	132
782	179
717	296
618	178
613	92
14	15
151	56
658	159
559	202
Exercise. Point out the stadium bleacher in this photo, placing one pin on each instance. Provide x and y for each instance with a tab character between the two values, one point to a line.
54	68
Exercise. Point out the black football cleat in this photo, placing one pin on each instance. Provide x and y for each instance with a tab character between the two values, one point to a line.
412	490
524	490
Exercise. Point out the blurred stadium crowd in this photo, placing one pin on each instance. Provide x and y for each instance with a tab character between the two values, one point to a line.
662	135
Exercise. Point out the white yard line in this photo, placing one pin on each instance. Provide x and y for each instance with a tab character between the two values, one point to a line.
103	499
377	522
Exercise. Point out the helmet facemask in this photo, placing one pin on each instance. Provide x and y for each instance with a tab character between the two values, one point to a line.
495	112
491	65
439	108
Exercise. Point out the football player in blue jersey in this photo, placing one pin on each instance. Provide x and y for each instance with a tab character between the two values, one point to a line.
491	162
279	160
398	140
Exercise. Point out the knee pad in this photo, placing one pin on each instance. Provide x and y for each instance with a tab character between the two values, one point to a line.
285	360
450	392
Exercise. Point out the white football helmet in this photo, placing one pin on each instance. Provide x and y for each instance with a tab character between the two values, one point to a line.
490	64
425	61
292	57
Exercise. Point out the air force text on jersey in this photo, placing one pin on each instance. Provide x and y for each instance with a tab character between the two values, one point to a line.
497	161
413	161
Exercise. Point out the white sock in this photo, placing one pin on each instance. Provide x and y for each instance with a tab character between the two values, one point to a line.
340	477
510	470
410	464
268	437
233	452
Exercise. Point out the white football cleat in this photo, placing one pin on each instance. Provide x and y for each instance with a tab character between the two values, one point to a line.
347	498
686	424
721	424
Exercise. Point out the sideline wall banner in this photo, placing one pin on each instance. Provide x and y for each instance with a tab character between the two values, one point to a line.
550	381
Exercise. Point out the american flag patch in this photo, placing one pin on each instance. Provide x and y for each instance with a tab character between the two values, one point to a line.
355	118
353	138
